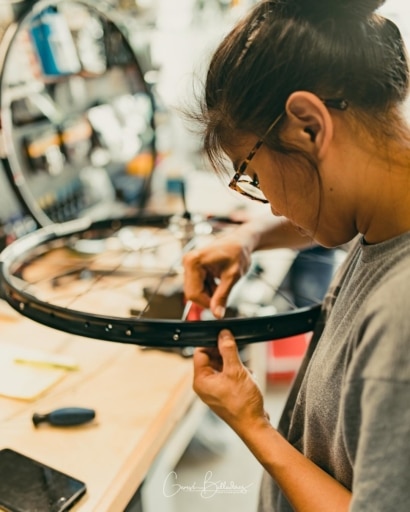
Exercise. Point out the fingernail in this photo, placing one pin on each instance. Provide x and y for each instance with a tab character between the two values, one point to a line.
225	334
219	311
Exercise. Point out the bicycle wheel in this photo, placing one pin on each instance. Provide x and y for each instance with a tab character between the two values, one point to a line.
121	280
118	279
77	133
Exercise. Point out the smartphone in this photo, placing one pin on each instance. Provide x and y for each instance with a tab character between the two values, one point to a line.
27	485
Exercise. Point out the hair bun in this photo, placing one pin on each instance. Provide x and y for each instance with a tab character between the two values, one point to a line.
324	9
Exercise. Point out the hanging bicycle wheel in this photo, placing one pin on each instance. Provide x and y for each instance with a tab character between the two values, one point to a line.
77	133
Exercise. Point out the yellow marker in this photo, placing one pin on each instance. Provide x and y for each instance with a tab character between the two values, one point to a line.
55	363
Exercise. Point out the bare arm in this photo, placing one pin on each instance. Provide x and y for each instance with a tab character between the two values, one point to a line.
223	382
306	486
269	232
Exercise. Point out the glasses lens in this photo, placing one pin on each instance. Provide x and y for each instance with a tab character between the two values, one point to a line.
247	186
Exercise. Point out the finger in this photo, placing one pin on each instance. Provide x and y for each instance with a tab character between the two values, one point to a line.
207	360
229	350
194	287
214	355
201	360
199	281
220	297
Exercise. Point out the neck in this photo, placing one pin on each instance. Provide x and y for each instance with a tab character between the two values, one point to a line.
383	210
367	186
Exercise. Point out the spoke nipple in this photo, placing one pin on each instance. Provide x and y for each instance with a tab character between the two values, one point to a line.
108	327
128	332
21	306
176	335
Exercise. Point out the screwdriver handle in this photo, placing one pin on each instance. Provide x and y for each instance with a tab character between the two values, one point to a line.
65	417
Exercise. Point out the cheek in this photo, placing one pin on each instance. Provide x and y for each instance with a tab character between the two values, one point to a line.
294	193
273	187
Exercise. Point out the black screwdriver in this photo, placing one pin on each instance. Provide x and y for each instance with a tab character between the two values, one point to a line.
65	417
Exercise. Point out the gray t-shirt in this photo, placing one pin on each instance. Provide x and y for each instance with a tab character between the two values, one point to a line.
351	412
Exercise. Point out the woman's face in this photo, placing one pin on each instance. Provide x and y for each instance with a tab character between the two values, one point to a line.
304	194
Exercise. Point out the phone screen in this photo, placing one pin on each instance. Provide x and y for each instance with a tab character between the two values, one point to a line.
27	485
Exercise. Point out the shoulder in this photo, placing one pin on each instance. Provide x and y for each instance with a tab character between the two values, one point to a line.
381	348
391	296
383	342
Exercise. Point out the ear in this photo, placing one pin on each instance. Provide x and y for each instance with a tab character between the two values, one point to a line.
310	126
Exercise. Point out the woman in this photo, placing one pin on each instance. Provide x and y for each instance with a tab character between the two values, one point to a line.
306	99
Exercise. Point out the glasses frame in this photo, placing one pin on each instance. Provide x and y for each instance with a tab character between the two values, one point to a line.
234	184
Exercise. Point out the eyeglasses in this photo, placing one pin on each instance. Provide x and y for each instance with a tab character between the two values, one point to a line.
249	185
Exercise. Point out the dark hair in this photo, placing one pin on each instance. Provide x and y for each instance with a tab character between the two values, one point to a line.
333	48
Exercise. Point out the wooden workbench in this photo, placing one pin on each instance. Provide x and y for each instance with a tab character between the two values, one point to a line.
140	398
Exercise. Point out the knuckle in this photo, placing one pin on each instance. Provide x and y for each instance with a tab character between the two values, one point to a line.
188	258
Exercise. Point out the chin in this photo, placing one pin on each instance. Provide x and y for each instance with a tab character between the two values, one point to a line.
275	212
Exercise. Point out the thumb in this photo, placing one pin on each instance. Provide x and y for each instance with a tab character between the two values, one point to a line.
228	350
220	298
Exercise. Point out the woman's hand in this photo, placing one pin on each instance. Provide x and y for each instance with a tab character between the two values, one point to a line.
227	386
211	272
